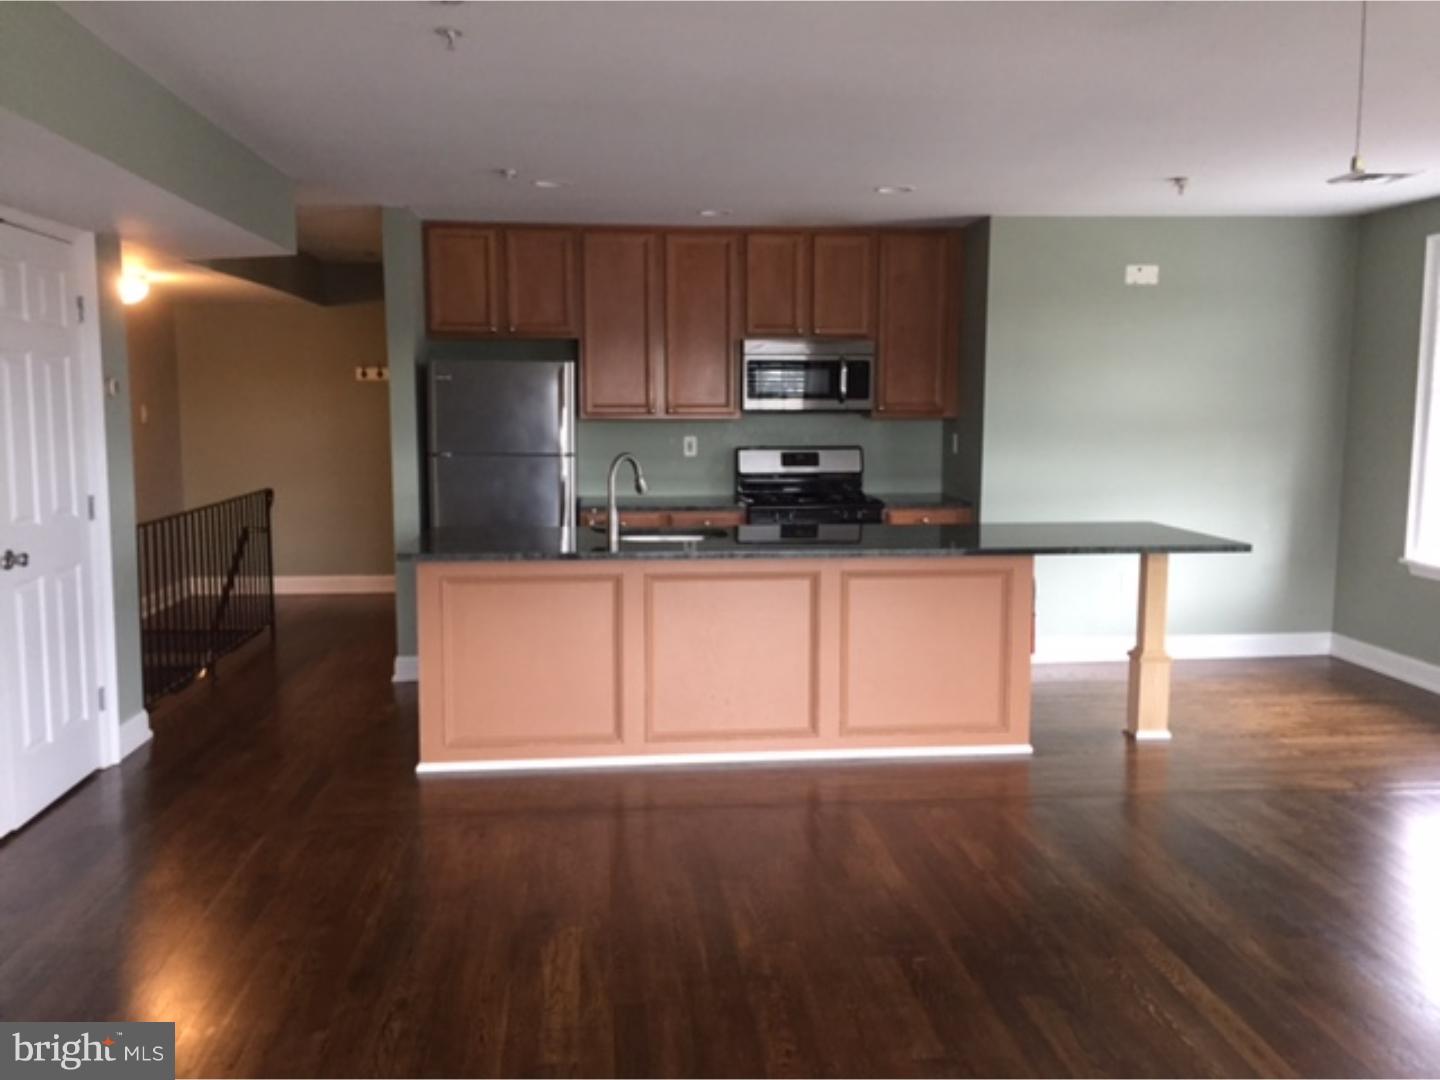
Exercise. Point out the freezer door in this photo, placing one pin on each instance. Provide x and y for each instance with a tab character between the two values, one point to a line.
502	407
476	491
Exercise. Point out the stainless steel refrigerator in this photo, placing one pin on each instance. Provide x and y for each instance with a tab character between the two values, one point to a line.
502	443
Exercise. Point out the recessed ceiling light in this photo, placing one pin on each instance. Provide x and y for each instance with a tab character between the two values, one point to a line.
714	213
550	183
894	189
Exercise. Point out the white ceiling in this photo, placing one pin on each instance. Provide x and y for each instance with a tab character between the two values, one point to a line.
794	112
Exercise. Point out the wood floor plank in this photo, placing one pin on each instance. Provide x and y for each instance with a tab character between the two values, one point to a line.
1258	897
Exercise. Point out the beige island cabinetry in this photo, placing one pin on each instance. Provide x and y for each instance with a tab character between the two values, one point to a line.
544	649
743	658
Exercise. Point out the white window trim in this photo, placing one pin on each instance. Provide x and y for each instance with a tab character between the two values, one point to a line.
1425	452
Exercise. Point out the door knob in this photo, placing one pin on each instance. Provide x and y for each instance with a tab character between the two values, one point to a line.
12	559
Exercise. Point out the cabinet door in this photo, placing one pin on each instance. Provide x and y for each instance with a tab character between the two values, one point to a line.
777	283
622	347
702	323
842	283
918	347
462	279
541	290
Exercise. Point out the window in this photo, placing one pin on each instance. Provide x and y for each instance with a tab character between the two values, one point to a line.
1422	535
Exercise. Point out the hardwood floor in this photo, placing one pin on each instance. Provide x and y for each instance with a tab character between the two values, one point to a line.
1261	896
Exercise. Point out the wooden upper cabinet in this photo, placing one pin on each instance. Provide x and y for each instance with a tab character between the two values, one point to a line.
462	273
918	348
542	294
777	284
842	280
622	346
816	284
702	323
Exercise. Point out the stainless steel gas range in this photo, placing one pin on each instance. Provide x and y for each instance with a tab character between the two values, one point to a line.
804	485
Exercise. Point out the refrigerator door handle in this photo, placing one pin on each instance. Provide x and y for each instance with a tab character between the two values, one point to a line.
568	510
567	408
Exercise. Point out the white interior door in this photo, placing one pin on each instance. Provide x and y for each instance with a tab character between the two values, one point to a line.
49	707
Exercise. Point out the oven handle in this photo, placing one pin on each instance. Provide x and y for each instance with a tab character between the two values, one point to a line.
844	379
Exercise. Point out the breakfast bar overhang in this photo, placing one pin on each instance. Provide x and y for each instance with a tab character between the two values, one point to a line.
541	648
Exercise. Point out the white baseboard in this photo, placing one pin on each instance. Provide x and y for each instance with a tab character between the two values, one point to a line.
1109	648
733	757
134	733
1407	669
407	669
295	585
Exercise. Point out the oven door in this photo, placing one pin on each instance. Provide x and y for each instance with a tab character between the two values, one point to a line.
798	383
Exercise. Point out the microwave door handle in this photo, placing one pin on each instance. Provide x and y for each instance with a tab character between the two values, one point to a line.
844	380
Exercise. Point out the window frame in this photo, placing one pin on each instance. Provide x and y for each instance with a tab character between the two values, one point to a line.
1420	559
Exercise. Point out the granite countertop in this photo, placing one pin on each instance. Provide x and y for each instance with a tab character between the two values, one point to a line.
838	542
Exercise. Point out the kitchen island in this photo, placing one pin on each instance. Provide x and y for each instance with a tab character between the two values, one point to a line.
540	648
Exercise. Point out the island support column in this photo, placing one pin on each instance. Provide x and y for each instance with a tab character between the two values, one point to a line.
1148	710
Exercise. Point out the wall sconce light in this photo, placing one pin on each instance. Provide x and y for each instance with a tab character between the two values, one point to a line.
134	286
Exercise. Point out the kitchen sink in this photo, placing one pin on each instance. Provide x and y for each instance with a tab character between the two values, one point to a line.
686	536
662	538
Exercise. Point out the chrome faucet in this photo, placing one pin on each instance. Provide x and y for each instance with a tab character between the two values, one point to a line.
612	518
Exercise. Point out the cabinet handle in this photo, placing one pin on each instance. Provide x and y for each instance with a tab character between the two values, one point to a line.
924	519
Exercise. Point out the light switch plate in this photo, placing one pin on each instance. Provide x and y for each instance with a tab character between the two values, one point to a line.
690	445
1142	274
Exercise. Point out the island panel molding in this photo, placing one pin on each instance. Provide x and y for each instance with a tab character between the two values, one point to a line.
524	661
909	665
732	657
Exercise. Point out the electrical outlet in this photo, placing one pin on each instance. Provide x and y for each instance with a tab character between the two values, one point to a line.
1142	274
690	445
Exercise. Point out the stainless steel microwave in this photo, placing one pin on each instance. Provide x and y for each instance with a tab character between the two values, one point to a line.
797	375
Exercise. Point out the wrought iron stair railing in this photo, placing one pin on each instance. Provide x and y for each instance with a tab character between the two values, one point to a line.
207	586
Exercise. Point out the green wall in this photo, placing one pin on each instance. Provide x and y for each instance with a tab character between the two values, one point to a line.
55	73
405	343
900	455
1215	401
1377	600
120	468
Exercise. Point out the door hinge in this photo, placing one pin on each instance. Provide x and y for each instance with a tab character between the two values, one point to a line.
90	506
102	699
80	307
